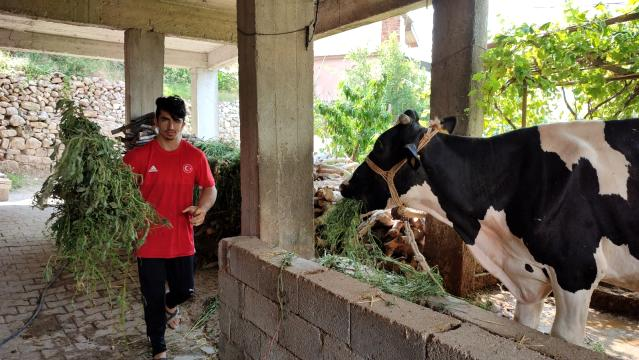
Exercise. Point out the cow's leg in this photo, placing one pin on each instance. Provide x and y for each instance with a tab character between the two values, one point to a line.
528	314
572	313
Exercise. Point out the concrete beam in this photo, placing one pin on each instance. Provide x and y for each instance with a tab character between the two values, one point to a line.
276	118
222	56
179	18
335	16
143	71
67	45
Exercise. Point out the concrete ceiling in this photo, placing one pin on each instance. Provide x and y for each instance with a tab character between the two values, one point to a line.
17	23
23	33
199	33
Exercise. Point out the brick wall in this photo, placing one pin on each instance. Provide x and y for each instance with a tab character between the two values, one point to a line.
390	27
328	315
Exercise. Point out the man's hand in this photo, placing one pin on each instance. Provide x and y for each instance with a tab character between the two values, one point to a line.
197	214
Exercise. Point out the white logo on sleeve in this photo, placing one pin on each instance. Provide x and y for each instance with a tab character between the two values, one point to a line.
153	169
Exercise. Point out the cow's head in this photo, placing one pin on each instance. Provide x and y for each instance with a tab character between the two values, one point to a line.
394	145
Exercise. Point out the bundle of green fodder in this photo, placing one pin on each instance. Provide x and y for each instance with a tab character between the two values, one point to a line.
223	220
361	256
99	216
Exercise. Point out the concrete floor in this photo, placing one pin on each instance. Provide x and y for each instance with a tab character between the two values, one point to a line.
73	326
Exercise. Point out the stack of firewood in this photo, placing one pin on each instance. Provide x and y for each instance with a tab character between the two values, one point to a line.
397	245
140	131
327	177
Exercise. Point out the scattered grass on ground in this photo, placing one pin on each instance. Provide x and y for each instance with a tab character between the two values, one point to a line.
17	180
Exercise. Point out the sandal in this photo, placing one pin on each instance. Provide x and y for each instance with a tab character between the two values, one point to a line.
173	315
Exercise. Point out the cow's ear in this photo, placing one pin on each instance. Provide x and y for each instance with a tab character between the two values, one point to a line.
449	124
412	156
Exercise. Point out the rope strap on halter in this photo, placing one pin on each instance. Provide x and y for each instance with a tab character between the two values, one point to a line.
389	175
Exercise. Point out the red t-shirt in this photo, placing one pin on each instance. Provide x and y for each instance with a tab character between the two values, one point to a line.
168	179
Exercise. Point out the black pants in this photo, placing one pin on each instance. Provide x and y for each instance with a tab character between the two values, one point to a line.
154	273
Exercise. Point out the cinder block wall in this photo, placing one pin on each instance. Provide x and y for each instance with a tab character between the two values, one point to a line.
322	314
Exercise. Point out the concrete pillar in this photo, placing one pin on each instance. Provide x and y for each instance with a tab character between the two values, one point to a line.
276	122
459	38
204	99
143	71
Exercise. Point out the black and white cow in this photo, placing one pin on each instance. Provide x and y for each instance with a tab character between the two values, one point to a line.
547	208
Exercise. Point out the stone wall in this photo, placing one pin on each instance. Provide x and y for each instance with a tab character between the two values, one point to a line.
29	123
306	311
229	115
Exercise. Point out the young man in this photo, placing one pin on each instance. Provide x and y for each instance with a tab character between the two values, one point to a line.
170	168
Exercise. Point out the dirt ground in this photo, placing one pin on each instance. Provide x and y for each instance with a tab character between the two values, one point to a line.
615	335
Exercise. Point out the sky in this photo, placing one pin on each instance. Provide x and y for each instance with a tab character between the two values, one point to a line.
502	14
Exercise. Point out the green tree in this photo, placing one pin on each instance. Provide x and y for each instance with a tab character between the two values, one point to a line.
39	64
177	81
591	67
374	92
353	121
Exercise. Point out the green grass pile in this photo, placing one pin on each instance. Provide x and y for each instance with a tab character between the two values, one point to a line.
223	220
364	259
99	217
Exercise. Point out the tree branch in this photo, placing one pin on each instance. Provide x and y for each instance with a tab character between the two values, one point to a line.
504	116
630	98
574	114
613	96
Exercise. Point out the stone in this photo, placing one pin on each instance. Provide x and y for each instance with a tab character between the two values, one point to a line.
209	350
49	109
17	120
84	102
38	125
33	143
43	116
3	111
10	165
56	80
46	143
90	113
30	152
8	133
41	152
4	144
17	143
4	104
12	111
24	131
31	106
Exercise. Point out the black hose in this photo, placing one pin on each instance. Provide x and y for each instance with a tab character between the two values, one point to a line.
36	311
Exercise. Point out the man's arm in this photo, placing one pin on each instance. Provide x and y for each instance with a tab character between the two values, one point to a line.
207	200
